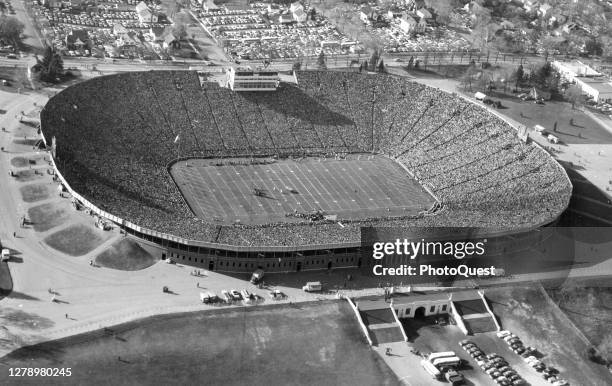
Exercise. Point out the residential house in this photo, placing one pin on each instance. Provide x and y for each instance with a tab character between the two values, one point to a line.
77	39
286	18
299	15
127	44
295	6
145	15
394	13
119	29
274	9
157	34
424	14
544	9
52	4
409	24
171	41
366	14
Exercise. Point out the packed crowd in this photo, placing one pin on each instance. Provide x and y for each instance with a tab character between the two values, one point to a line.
117	135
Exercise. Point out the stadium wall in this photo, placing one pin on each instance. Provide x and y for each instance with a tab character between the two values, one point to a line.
280	259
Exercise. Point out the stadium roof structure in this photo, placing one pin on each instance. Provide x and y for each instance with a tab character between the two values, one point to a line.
114	152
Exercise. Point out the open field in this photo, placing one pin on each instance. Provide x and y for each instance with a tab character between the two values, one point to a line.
76	240
354	188
587	303
306	344
16	76
26	175
581	130
46	216
35	192
533	317
126	255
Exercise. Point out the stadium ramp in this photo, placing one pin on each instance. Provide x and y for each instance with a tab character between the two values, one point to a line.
381	322
472	313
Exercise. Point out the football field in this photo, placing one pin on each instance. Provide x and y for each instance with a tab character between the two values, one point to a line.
258	191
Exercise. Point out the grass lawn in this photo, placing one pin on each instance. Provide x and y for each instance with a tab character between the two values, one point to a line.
588	304
583	130
35	192
26	142
528	313
27	175
46	216
126	255
17	78
6	282
302	344
76	240
19	162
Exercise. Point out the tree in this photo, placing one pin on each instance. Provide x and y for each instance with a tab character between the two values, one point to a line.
374	58
297	65
442	9
11	30
313	13
321	61
593	47
51	67
180	31
574	95
468	77
411	62
381	67
518	76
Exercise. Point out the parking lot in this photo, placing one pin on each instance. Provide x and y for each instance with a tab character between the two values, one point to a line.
425	337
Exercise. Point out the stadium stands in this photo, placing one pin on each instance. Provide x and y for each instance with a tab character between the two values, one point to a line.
116	136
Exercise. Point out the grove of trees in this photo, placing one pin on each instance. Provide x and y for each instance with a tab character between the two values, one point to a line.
10	30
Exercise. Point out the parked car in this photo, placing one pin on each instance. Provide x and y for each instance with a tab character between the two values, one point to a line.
246	295
503	333
226	296
235	295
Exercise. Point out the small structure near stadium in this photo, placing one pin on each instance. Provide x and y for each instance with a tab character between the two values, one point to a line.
381	318
246	79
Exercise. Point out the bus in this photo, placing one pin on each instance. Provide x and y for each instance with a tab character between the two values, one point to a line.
446	362
443	354
431	369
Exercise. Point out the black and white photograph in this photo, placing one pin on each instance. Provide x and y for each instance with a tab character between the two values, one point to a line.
308	192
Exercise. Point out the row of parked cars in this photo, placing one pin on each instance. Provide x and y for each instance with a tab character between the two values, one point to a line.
529	355
234	296
493	364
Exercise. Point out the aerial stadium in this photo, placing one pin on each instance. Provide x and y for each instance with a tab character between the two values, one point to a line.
257	172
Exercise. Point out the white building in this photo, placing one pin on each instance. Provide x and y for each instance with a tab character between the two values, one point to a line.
408	24
295	6
145	15
570	70
424	14
596	88
299	15
249	80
